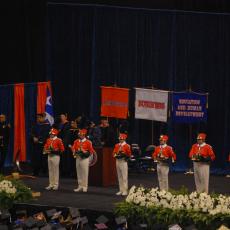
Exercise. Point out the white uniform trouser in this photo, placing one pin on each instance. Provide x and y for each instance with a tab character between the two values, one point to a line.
53	166
122	174
201	174
162	173
82	166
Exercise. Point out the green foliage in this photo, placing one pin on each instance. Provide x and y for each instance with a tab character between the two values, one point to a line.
21	194
182	191
140	214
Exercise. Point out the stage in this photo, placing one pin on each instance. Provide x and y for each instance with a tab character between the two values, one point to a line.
104	199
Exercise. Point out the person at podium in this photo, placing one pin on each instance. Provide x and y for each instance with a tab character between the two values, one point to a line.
82	148
122	153
107	133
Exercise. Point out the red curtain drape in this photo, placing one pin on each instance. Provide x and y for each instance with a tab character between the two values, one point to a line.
19	123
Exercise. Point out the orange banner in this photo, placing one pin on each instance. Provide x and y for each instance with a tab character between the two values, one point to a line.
114	102
19	123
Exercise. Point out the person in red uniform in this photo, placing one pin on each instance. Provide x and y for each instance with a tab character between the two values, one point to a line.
122	153
163	154
53	147
82	148
201	154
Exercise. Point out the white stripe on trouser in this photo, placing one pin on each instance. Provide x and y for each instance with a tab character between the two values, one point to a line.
162	173
201	175
82	166
122	174
53	166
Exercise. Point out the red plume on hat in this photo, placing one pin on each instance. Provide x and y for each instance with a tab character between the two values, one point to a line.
201	136
54	131
122	136
164	138
83	131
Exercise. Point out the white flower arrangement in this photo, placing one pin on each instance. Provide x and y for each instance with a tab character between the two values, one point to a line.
13	191
200	202
7	187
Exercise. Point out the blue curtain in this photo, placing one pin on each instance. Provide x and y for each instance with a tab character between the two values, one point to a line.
90	46
7	108
30	115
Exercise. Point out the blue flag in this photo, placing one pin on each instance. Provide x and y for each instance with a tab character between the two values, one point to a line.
49	108
189	107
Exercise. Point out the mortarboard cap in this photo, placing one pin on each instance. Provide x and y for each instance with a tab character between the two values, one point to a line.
84	220
51	212
120	220
74	212
30	222
47	227
102	219
101	226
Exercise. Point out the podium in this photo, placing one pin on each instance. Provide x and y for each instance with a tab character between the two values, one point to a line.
103	173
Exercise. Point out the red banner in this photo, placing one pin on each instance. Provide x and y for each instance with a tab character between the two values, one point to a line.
19	123
114	102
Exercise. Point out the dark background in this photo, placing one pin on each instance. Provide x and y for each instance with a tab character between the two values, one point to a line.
172	45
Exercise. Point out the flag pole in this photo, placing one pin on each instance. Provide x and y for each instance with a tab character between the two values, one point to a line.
117	121
190	139
152	125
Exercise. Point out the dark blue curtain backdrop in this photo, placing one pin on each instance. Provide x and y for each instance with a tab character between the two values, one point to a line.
7	108
89	46
30	115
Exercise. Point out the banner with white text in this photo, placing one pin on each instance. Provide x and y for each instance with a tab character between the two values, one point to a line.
189	107
151	104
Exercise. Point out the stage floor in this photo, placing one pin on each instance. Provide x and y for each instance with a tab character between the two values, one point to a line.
103	199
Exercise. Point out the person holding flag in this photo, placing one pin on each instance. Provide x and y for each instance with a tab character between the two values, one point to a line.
163	155
201	154
122	153
82	148
53	147
49	108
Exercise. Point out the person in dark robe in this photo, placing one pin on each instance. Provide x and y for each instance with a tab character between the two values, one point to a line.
39	134
108	134
64	128
4	140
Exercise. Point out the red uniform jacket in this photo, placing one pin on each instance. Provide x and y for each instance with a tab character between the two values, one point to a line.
204	150
164	151
54	145
83	146
122	148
